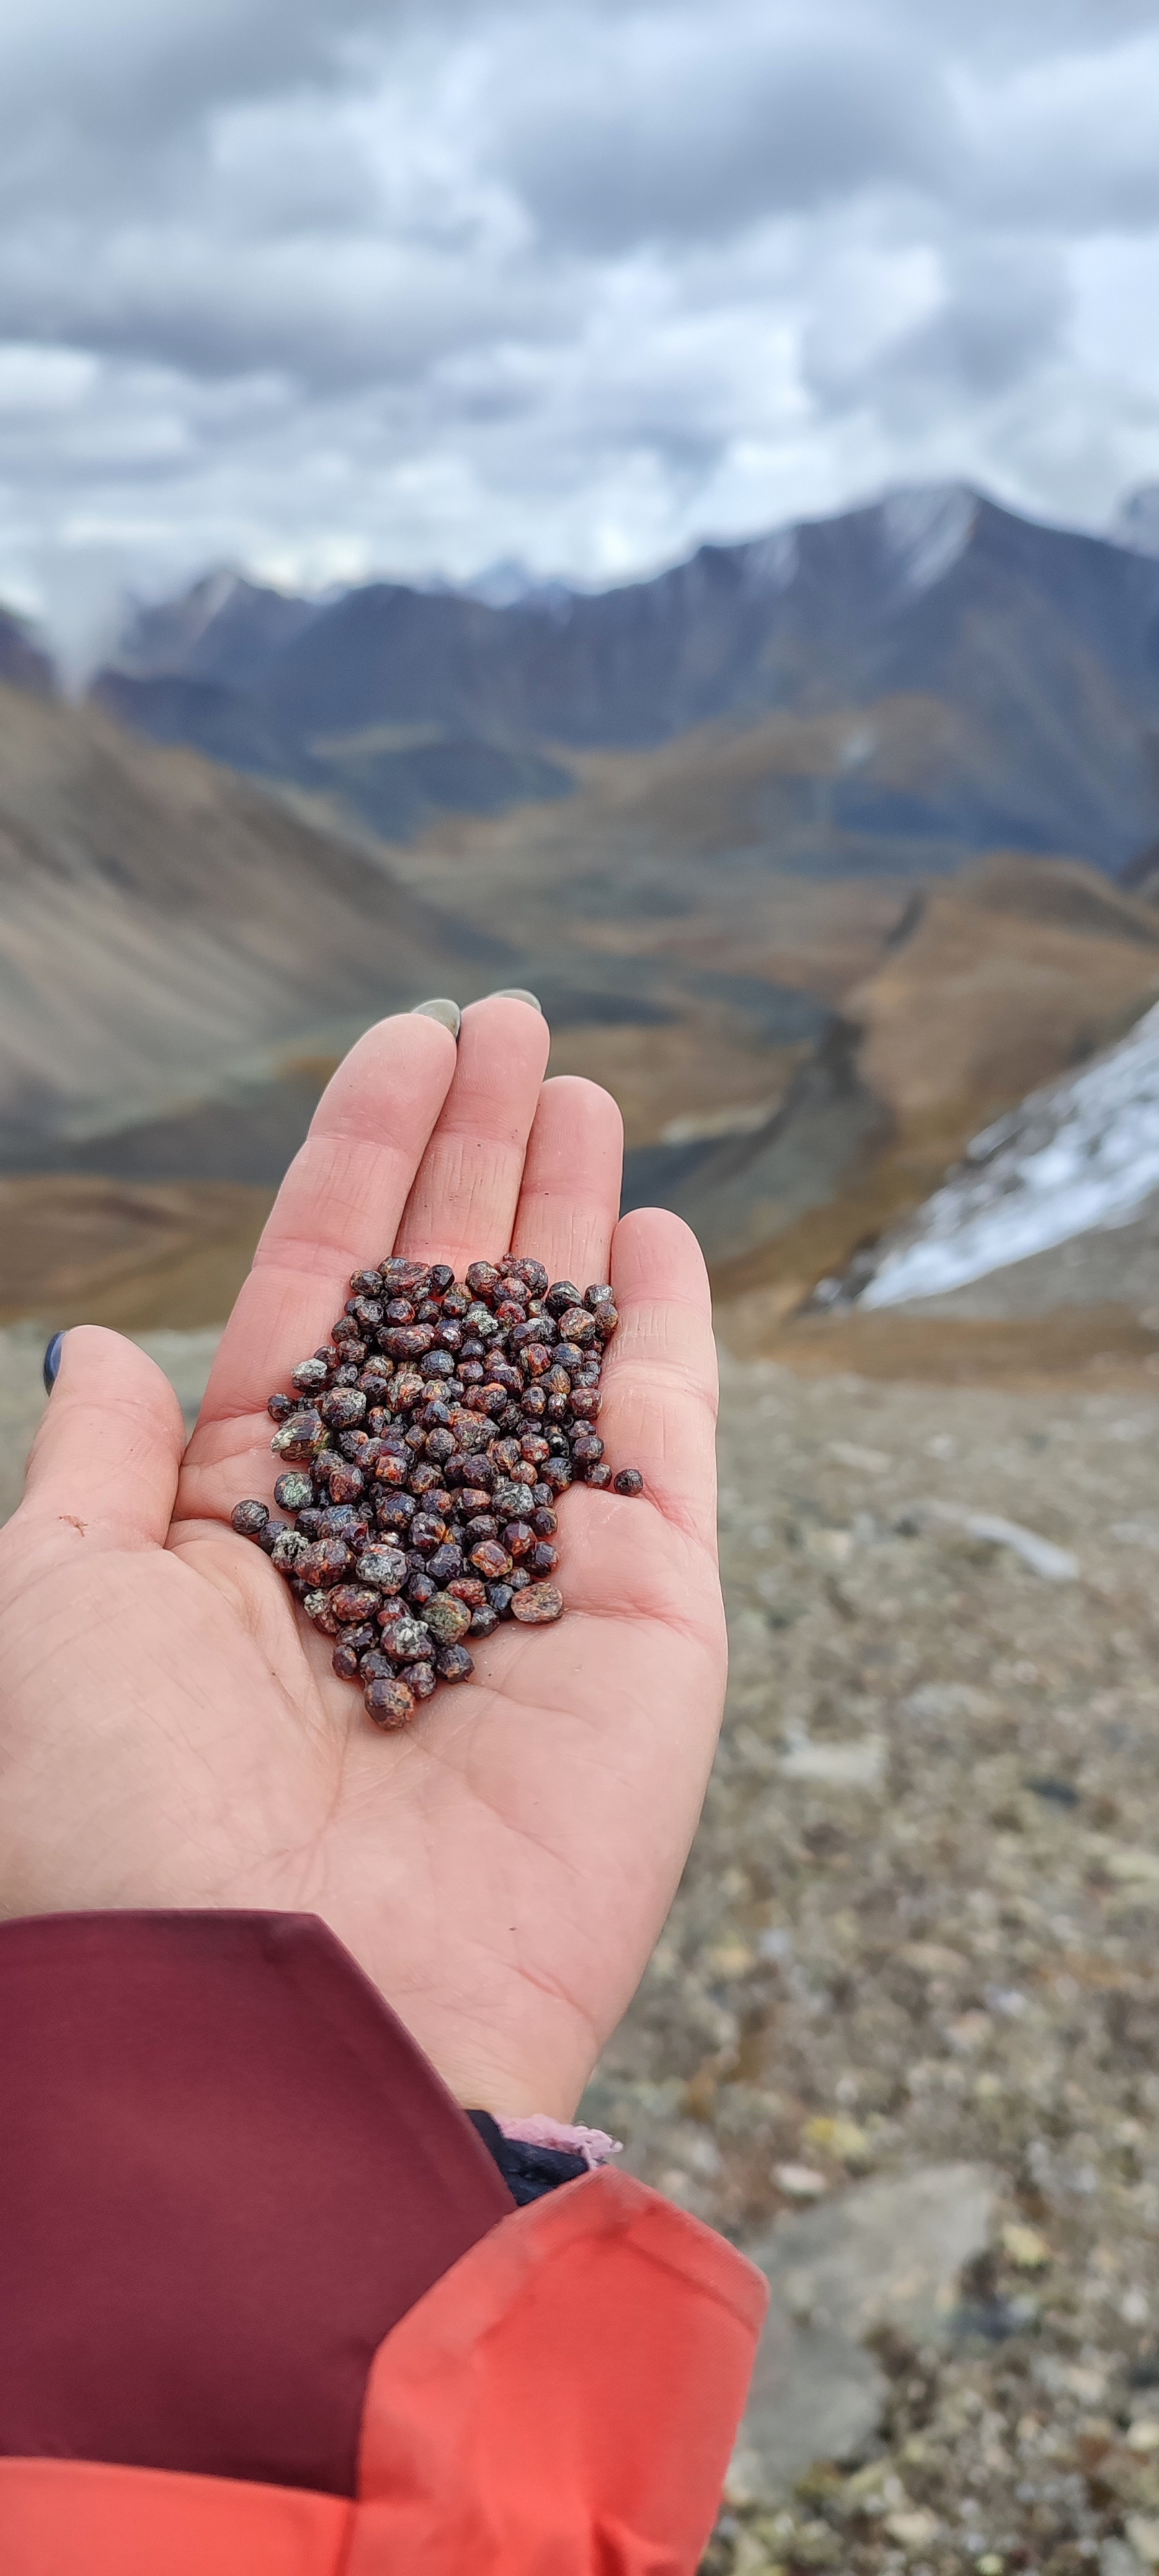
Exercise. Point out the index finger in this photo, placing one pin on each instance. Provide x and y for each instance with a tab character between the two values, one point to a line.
338	1207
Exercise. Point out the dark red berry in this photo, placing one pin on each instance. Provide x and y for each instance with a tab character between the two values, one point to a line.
628	1481
249	1519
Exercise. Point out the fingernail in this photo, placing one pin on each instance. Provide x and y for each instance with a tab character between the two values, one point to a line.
517	993
52	1362
447	1013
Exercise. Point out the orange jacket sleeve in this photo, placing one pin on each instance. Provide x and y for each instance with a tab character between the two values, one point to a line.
561	2403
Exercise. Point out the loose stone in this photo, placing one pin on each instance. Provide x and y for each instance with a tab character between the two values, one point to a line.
447	1619
391	1704
454	1664
406	1640
426	1445
539	1604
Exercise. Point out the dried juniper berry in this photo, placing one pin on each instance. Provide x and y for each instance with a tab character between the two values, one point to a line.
293	1492
628	1481
249	1519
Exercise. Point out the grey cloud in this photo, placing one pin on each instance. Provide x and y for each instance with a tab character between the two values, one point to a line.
999	319
715	137
414	282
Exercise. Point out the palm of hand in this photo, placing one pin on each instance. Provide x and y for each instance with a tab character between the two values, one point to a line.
171	1731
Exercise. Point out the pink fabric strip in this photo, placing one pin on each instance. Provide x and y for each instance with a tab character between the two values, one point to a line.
594	2145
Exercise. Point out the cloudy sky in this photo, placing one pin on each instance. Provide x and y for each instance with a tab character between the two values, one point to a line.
329	287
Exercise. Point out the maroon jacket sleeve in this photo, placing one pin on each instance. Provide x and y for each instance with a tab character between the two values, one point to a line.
226	2172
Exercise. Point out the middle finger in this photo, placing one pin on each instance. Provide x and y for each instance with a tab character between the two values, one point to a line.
465	1193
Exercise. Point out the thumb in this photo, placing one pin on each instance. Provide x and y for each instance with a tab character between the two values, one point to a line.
109	1447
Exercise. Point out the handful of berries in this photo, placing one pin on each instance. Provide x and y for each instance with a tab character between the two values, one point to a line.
424	1450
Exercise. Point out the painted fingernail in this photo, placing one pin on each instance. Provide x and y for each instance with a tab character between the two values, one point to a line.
447	1013
517	993
52	1362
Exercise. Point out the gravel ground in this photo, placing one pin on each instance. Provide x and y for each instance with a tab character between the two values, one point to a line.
914	1953
899	2037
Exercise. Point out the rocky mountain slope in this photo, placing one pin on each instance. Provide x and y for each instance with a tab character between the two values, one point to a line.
1080	1158
23	663
161	921
1035	645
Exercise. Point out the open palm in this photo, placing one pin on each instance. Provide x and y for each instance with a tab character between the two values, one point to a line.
171	1732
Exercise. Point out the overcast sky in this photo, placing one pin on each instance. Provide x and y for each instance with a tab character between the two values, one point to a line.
329	287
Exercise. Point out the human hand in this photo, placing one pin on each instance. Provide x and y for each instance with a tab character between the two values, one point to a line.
171	1732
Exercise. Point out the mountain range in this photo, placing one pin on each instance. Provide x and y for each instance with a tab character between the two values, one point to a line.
821	851
1035	650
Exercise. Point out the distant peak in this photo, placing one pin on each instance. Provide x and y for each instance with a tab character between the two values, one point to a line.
926	529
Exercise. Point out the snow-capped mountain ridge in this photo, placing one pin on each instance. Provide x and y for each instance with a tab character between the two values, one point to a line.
1081	1154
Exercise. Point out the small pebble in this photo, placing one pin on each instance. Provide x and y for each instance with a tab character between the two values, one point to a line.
540	1603
447	1619
391	1704
426	1448
454	1664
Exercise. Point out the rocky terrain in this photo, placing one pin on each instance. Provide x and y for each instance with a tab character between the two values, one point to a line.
164	924
898	2039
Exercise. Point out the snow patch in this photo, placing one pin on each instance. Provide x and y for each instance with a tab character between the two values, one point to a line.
770	563
1082	1154
1136	522
926	530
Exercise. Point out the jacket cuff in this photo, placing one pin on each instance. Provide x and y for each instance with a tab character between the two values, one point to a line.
567	2396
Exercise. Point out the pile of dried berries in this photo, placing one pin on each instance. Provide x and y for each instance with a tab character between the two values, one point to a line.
425	1450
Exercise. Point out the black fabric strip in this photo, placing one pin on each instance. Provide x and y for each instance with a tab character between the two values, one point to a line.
529	2172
